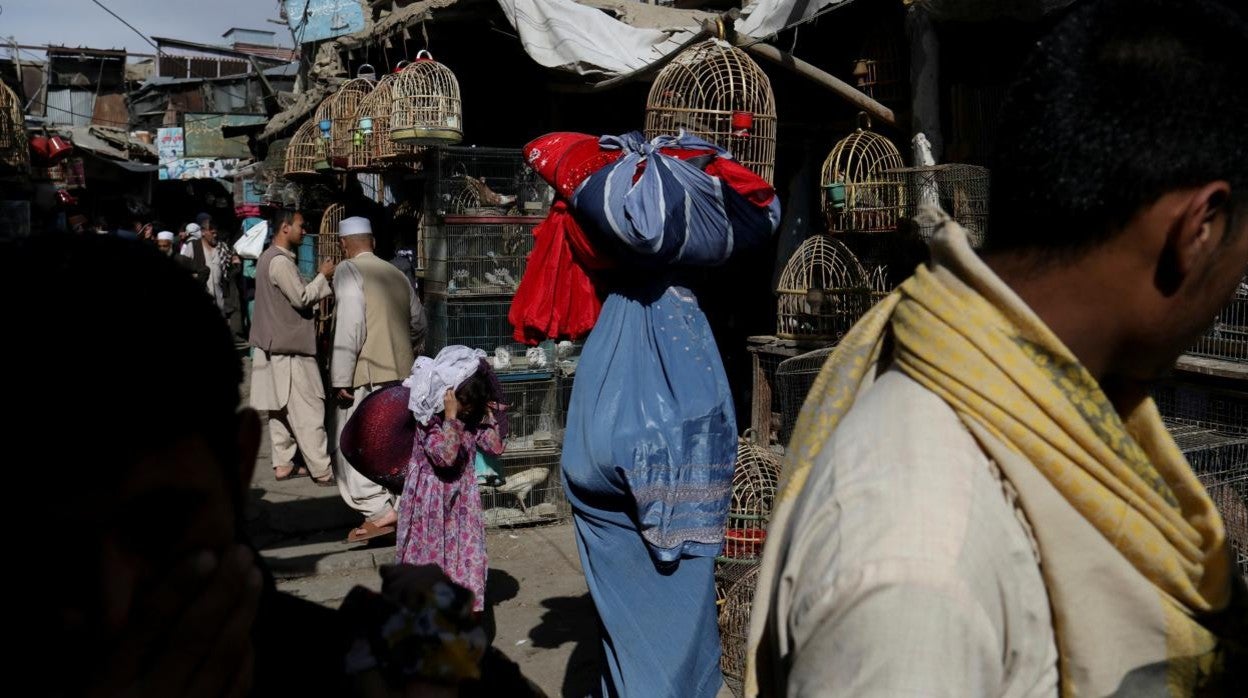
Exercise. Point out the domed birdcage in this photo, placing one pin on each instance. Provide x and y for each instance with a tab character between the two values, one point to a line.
859	194
303	152
342	108
372	149
328	250
715	91
754	483
323	122
734	628
823	291
14	150
426	106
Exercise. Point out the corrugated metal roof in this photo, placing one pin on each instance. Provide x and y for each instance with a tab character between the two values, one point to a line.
70	105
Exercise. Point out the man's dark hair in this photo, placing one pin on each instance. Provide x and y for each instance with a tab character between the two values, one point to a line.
1122	102
283	216
203	220
131	355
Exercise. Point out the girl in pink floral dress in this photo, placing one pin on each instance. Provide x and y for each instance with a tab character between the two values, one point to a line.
440	518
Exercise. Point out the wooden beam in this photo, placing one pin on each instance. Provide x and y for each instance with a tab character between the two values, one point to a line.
839	87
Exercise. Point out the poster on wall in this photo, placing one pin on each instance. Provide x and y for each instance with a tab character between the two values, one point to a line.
171	146
318	20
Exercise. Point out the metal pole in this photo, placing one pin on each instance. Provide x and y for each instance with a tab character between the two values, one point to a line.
838	87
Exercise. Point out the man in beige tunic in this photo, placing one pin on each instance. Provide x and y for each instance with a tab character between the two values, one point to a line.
379	326
285	379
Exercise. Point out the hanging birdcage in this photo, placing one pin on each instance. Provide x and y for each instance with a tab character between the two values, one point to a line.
14	150
426	107
371	145
879	70
715	91
858	192
823	291
303	152
324	125
959	190
754	482
734	628
341	109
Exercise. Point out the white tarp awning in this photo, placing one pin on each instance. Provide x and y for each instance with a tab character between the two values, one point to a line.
584	39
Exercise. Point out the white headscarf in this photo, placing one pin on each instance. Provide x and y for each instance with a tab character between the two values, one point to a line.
431	378
194	232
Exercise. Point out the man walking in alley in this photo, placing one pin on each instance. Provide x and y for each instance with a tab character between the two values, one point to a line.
980	498
205	249
379	327
285	379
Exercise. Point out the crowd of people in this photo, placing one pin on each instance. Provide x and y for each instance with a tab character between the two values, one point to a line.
980	499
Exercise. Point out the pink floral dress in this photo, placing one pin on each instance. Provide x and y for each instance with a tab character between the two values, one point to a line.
440	520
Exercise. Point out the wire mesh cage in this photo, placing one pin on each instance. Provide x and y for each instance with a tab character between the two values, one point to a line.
858	192
794	379
531	491
487	181
715	91
475	255
734	628
426	106
14	151
371	145
481	322
754	482
1227	339
1193	405
823	291
343	107
303	152
533	408
959	190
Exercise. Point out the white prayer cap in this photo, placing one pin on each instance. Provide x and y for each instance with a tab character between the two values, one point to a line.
193	230
354	225
165	235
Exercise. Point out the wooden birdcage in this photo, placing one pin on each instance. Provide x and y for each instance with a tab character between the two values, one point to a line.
303	152
715	91
340	109
426	107
14	150
328	250
879	69
754	483
858	192
734	628
372	149
823	291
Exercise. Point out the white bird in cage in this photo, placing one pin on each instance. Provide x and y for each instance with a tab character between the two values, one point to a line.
536	357
502	359
564	349
521	485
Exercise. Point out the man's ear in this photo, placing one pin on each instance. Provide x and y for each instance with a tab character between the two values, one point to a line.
1193	239
248	446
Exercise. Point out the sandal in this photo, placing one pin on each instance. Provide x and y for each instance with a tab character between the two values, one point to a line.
294	473
326	481
369	531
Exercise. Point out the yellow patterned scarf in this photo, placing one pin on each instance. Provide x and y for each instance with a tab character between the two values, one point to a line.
961	333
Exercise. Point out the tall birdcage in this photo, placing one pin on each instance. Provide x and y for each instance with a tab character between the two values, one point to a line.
14	151
371	145
1227	338
328	250
426	106
858	192
715	91
343	107
959	190
823	291
734	628
754	482
794	379
303	152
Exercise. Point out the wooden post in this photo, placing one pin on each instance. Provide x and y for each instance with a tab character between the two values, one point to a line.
925	78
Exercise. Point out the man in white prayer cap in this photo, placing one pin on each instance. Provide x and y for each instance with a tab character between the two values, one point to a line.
164	242
379	329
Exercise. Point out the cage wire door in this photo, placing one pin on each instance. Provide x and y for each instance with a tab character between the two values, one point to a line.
714	91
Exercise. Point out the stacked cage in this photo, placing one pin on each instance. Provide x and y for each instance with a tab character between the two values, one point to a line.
1227	339
794	379
14	152
1210	426
755	482
475	240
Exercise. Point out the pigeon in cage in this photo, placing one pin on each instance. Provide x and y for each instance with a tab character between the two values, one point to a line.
536	357
487	196
501	277
502	359
520	485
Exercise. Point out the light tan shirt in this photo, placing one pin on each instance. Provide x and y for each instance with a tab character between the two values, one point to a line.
911	572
